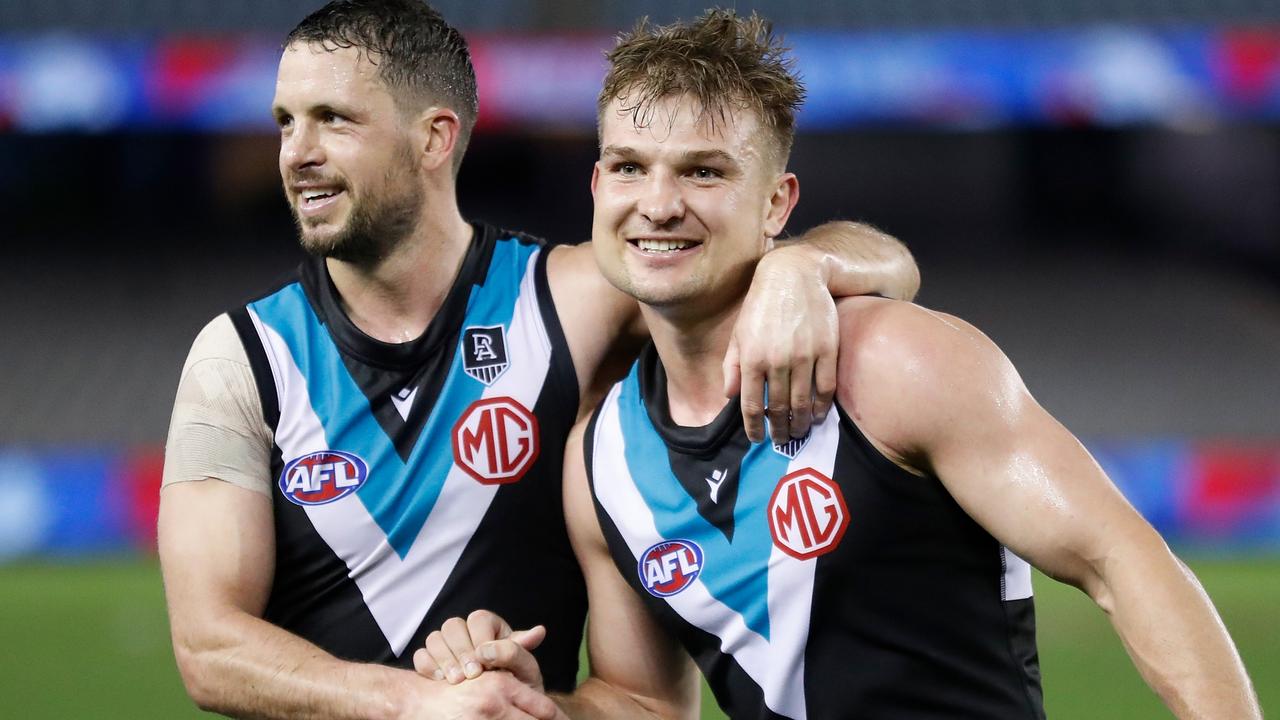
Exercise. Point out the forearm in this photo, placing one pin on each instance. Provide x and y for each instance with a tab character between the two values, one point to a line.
242	666
1174	635
856	259
595	699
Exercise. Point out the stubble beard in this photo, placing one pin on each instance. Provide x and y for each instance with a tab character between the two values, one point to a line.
377	225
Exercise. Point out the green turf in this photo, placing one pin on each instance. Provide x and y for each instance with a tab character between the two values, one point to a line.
91	641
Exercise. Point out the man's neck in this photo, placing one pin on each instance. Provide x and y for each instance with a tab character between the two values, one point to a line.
692	351
395	299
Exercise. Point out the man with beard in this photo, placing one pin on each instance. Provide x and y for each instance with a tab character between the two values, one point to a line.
376	445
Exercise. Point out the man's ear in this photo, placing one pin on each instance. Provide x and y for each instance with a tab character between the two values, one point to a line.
438	131
595	178
786	193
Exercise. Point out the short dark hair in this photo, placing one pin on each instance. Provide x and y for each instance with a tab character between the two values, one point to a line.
722	60
421	58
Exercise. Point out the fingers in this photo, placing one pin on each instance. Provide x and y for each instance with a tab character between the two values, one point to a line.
509	655
779	408
426	665
824	386
457	633
801	400
753	403
484	626
530	639
534	703
732	372
447	665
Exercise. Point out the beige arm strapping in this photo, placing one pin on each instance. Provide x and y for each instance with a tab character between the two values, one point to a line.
217	430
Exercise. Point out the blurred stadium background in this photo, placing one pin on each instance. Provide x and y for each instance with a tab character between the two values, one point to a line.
1095	183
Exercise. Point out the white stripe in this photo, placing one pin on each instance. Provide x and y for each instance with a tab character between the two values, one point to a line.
777	666
399	593
1017	576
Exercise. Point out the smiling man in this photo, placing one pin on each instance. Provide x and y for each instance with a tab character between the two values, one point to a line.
877	567
376	444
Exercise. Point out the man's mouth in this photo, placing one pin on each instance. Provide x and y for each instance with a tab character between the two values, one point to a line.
663	245
316	196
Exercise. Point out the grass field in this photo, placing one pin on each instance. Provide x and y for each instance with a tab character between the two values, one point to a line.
91	641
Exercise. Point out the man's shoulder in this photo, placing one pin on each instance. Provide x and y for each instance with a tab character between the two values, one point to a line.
218	340
902	365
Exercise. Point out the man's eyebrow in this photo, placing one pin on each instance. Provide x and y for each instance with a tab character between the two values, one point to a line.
694	156
618	150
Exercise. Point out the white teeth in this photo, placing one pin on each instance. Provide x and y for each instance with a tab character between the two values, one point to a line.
310	195
662	245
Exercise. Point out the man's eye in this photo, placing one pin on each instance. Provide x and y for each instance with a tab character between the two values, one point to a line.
628	169
703	173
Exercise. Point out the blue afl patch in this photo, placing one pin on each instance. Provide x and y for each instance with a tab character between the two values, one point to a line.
322	477
670	566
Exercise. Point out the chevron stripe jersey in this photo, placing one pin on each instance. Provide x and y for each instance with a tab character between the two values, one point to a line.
421	481
811	580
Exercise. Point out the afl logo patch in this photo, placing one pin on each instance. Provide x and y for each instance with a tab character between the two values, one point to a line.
496	440
670	566
484	352
322	477
807	514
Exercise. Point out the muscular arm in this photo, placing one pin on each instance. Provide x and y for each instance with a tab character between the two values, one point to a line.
217	554
217	551
939	397
637	669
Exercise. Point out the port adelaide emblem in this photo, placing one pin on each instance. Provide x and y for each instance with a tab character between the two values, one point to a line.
484	352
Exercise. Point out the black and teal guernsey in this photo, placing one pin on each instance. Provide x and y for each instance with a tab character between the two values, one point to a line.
421	481
814	579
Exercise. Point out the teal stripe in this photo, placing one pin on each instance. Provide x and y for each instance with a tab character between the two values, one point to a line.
736	573
399	495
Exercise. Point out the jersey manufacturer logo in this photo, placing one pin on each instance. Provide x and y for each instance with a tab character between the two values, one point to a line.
670	566
791	448
715	481
496	440
807	514
322	477
484	352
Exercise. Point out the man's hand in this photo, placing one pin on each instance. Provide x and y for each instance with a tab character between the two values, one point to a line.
463	649
784	343
787	335
495	696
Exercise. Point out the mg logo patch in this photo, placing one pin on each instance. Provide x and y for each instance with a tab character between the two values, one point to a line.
496	440
807	514
322	477
484	352
670	566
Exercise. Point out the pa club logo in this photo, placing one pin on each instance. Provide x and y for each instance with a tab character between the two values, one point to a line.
496	440
484	352
791	448
807	514
670	566
322	477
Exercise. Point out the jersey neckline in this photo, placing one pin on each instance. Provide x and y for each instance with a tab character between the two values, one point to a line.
696	440
324	297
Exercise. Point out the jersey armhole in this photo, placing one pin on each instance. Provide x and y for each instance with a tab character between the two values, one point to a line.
562	369
263	378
